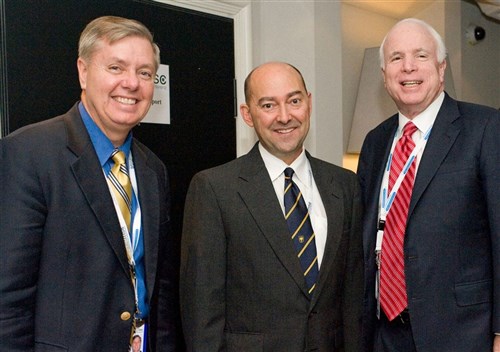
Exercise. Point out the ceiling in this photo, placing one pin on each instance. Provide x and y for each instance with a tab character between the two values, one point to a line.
396	8
400	9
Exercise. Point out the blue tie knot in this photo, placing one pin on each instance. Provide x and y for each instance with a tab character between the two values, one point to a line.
289	172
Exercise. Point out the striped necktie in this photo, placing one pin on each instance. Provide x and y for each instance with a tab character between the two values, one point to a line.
122	188
299	225
393	298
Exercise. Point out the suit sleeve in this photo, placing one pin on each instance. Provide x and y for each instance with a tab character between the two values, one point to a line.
203	269
353	287
22	218
168	334
490	177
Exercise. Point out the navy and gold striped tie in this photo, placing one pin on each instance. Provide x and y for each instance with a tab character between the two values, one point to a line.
122	188
299	225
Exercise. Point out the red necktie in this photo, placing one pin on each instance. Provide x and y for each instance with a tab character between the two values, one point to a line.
393	299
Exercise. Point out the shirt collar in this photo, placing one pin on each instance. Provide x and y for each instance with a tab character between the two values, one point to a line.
102	144
276	166
426	118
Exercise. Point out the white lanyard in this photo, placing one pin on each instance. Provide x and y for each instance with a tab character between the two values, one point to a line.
388	198
130	243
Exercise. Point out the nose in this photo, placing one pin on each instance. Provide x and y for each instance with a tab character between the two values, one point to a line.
283	114
130	80
409	64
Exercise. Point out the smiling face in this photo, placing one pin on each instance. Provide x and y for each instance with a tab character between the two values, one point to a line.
118	84
412	74
136	344
279	108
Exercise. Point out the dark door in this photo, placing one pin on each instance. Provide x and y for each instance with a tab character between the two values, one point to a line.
39	78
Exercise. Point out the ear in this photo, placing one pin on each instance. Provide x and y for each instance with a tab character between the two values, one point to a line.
245	113
82	72
382	72
309	102
442	69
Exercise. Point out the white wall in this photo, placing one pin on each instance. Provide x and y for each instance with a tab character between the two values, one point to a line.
307	35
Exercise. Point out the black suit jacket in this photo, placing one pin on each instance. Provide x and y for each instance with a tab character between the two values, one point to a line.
64	277
242	287
452	235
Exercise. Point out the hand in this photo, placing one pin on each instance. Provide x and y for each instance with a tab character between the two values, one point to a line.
496	343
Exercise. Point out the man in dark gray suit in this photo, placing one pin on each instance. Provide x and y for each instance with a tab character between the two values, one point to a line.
448	264
244	287
77	271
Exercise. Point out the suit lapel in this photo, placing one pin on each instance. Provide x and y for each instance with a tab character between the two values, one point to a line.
147	183
87	169
378	158
443	135
332	198
258	193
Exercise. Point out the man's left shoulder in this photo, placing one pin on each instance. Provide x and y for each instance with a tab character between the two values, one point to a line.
475	111
142	151
326	166
326	172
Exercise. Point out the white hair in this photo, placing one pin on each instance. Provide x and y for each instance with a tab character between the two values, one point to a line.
440	46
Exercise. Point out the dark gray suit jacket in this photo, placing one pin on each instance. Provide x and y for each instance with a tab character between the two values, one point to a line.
452	241
242	287
64	277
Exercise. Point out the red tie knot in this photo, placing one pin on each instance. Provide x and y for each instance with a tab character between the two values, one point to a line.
409	129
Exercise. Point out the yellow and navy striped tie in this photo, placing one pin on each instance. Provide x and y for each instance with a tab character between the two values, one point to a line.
299	225
122	188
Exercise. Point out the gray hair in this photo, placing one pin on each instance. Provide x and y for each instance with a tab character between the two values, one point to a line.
441	51
112	29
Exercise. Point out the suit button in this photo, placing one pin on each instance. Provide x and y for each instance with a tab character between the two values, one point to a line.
125	316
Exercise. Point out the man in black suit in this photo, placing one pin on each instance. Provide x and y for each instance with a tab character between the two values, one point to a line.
243	285
78	272
447	267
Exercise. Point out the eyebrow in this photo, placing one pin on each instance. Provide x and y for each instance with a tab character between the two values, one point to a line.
288	96
123	62
418	50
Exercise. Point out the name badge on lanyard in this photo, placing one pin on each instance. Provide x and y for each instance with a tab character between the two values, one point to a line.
138	339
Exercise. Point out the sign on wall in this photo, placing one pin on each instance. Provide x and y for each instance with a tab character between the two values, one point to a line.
160	106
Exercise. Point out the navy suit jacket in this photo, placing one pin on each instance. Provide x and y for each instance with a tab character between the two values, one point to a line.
242	287
452	240
64	276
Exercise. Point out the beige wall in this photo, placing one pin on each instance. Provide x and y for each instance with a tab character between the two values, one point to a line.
360	29
480	66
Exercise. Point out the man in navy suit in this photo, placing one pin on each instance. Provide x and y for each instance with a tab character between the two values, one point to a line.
75	273
451	233
243	286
